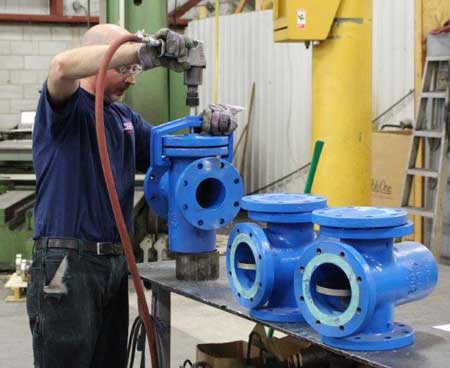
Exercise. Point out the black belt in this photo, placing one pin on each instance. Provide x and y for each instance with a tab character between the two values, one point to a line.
100	248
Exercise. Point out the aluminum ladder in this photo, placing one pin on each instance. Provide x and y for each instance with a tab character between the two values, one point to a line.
431	129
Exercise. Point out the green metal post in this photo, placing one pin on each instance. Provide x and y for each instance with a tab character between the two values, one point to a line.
318	147
177	92
150	95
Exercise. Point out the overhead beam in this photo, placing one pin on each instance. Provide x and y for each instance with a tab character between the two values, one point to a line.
56	8
240	7
56	16
181	10
30	18
177	22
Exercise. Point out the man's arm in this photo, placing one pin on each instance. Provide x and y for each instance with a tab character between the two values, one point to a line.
68	67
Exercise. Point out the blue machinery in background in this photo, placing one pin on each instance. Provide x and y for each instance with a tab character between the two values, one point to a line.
193	184
261	261
349	280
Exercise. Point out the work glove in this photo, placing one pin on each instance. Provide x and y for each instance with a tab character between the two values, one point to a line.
173	55
220	119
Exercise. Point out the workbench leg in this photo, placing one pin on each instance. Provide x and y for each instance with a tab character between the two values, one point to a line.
161	317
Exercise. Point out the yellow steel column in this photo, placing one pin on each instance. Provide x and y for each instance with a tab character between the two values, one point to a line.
342	106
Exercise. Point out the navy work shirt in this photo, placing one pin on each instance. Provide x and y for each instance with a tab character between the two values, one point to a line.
71	196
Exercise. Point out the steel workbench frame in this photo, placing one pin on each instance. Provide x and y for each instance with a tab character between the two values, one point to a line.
431	350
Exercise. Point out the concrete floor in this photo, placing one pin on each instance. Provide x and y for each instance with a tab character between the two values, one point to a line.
192	323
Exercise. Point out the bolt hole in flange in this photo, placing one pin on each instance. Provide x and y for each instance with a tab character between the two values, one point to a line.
245	265
210	193
330	289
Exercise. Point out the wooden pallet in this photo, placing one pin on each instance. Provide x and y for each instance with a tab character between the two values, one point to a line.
18	286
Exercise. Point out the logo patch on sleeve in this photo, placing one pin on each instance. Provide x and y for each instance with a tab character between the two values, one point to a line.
128	127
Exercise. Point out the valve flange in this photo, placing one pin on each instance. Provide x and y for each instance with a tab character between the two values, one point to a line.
261	261
348	281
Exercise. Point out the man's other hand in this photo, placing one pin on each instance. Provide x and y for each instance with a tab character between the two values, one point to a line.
220	119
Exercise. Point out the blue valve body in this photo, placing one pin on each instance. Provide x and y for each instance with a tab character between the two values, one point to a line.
193	184
349	280
261	261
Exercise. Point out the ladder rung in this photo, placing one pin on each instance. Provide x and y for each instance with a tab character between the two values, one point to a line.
438	58
423	172
417	211
428	133
441	95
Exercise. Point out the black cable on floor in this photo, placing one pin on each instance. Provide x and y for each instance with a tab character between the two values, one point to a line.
136	342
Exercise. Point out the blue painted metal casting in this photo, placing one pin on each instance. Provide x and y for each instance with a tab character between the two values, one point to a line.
349	280
192	182
261	261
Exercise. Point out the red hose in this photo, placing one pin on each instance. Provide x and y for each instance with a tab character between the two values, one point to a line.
112	192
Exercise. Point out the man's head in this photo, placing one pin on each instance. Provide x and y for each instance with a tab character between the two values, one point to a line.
117	80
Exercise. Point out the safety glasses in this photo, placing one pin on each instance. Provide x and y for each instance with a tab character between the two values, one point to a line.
129	70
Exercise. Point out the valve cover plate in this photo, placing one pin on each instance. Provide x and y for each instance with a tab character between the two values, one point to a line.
360	217
283	203
194	141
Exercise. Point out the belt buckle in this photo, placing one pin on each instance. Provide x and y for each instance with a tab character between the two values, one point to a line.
99	253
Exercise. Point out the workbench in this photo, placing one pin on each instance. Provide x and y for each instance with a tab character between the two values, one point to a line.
431	350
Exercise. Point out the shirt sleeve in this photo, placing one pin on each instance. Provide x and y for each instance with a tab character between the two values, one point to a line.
142	131
55	120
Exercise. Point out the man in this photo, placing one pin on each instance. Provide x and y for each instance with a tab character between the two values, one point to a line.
77	300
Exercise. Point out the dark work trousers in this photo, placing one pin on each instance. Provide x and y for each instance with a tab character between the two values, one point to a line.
77	304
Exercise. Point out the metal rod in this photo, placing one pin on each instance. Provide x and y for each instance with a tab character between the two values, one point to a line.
281	179
247	266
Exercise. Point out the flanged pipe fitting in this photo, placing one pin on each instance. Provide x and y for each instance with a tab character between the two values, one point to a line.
349	280
261	261
193	184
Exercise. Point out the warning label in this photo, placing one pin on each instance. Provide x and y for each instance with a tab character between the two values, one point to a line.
301	18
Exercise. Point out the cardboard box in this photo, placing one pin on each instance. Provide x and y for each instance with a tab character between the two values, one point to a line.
390	152
225	355
233	354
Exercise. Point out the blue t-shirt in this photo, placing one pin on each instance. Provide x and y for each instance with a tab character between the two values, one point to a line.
71	196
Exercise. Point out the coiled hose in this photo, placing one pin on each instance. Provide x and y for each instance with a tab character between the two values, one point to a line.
112	192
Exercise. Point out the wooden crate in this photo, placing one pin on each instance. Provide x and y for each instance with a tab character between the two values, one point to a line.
18	286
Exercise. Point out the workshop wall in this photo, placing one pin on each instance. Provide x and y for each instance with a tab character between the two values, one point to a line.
25	54
393	60
280	133
70	7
